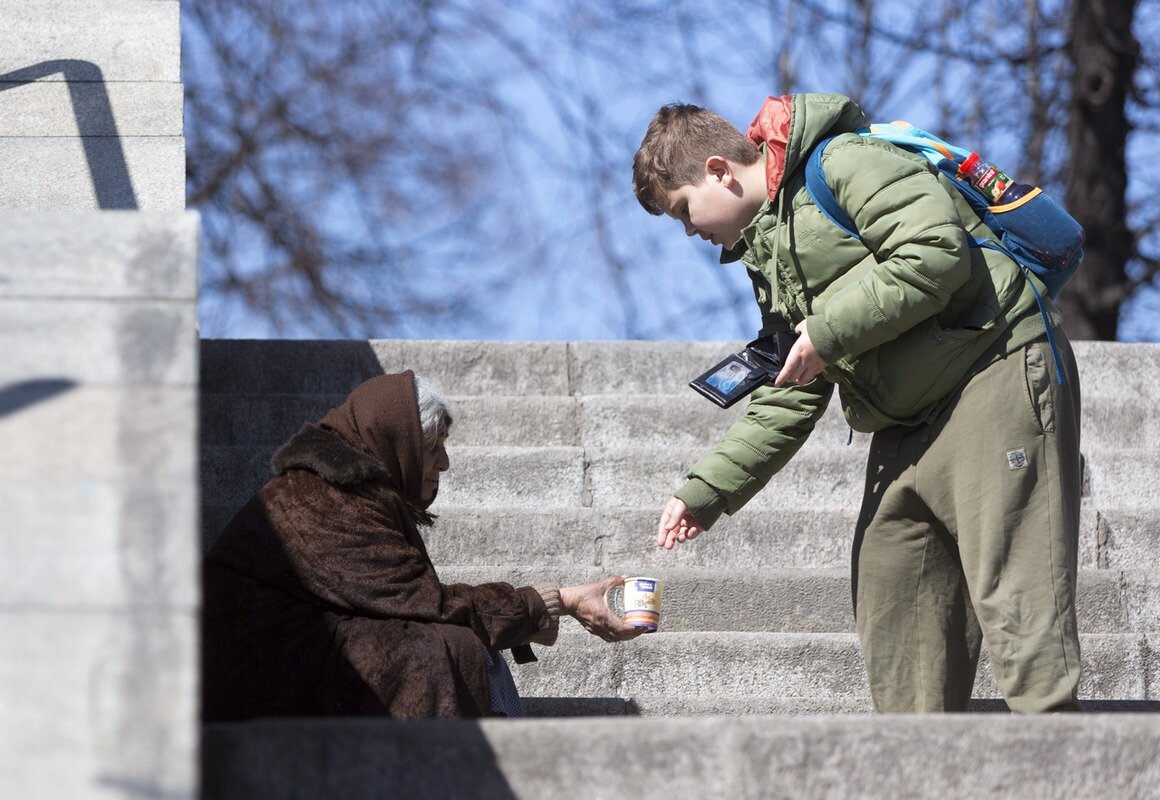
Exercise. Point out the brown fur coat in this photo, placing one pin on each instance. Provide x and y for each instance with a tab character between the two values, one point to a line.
320	598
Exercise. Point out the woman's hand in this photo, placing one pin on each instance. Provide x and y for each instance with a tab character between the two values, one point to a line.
677	525
588	603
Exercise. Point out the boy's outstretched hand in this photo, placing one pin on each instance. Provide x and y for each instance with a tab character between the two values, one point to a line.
677	525
803	363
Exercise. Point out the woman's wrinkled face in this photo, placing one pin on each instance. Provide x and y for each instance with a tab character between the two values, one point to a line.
434	462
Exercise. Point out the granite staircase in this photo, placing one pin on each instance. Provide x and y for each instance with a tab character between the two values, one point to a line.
562	456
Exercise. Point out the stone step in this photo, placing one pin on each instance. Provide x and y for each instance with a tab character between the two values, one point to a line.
678	421
816	600
58	108
822	666
818	478
873	757
780	706
565	477
335	367
114	40
1129	372
107	172
623	539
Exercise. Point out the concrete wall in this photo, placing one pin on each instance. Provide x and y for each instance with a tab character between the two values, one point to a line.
98	397
91	105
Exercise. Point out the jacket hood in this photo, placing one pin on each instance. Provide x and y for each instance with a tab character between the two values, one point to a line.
789	127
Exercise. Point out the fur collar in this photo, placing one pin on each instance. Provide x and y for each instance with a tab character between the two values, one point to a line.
328	455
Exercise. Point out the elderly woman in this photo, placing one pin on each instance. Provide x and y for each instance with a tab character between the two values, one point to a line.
320	598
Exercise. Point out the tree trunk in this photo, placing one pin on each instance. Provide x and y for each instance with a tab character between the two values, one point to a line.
1104	55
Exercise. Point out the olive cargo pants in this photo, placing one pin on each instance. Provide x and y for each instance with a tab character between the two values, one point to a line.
968	532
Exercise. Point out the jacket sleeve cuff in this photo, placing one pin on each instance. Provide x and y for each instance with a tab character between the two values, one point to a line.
823	339
550	594
703	502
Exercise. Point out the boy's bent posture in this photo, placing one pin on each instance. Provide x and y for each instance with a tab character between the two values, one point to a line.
970	516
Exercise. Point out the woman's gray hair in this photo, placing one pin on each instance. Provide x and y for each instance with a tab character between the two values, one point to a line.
434	416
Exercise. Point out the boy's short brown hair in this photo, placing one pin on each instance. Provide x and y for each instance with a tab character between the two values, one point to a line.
679	140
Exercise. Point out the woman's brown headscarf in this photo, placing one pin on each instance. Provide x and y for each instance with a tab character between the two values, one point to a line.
381	418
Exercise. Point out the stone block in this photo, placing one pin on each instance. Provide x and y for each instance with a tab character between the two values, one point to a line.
335	367
231	475
90	255
504	477
269	419
114	40
714	664
482	368
260	420
868	757
754	537
132	437
820	479
99	704
578	664
688	421
1124	478
641	367
58	108
144	173
521	477
245	366
1142	602
1101	602
510	537
515	421
1129	372
1128	538
86	543
95	342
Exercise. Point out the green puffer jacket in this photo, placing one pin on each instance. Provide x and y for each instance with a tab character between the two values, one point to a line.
902	320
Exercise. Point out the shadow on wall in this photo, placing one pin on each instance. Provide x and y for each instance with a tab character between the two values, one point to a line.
254	396
18	396
98	128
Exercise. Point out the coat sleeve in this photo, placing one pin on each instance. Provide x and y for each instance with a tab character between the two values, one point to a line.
775	426
349	550
907	219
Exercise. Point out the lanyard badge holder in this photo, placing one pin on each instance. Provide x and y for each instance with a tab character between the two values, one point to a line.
734	377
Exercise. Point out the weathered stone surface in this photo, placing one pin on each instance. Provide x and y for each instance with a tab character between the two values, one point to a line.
979	757
98	703
144	173
60	108
113	40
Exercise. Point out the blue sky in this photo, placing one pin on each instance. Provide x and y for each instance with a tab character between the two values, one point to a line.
559	285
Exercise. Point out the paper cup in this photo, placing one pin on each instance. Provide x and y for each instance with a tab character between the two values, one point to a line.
642	602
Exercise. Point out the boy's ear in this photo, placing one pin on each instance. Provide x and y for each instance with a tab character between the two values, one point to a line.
719	168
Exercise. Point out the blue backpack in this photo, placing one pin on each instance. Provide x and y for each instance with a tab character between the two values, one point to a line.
1035	231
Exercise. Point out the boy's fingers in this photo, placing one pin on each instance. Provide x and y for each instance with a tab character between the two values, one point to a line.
790	368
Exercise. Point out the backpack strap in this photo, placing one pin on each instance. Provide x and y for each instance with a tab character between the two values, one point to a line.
823	197
821	193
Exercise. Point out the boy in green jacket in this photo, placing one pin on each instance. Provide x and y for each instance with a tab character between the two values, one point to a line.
970	517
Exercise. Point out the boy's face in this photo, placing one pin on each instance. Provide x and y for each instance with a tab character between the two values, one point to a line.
714	209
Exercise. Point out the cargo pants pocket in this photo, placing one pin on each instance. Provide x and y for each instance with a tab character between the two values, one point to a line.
1040	386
